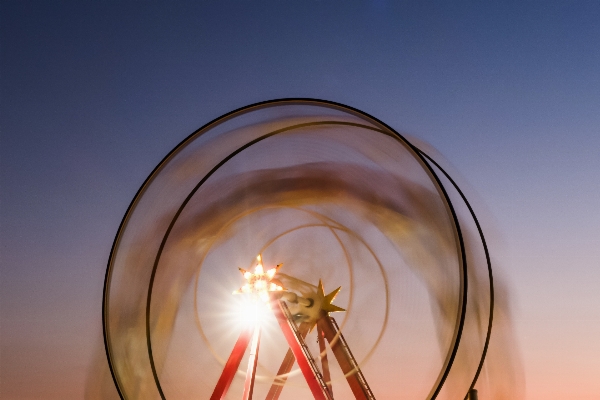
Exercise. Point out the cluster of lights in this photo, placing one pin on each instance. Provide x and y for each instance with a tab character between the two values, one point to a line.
260	282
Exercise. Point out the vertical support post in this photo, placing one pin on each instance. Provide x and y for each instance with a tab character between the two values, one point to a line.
324	361
233	362
285	367
252	362
472	394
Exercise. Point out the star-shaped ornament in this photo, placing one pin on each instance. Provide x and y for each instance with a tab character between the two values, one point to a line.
326	300
322	304
260	282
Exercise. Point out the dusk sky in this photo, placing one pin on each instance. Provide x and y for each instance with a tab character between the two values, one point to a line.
94	94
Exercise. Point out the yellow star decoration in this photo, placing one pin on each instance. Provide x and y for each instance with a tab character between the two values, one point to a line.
261	282
326	300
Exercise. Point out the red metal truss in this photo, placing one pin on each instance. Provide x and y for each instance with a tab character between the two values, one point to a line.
286	367
319	384
324	361
341	351
252	362
301	353
232	364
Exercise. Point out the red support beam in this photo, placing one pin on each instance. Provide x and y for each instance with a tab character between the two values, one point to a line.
252	362
309	370
324	361
286	367
344	357
232	364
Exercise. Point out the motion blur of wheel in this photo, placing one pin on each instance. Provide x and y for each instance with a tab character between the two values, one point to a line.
335	196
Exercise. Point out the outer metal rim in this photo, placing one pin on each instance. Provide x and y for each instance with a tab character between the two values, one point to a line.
489	268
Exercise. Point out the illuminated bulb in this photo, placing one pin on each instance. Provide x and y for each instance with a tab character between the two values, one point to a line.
260	284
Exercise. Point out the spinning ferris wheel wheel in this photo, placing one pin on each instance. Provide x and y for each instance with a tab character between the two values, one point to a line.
372	280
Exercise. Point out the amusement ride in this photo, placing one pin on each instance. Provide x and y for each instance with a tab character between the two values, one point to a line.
328	197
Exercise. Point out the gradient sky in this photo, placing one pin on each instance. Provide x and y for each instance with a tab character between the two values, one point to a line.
94	94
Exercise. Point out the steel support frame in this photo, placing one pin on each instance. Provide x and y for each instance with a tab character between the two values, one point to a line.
319	384
232	364
285	367
300	351
252	362
344	357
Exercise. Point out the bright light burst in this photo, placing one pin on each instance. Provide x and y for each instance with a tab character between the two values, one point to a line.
251	311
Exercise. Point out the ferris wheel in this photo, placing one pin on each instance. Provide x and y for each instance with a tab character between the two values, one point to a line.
294	249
